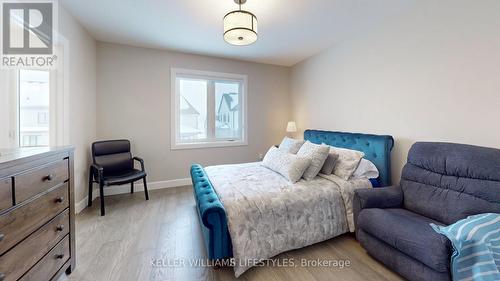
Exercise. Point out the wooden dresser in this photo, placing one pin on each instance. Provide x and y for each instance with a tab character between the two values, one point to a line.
37	229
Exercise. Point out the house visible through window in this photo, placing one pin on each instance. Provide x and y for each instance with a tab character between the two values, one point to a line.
34	100
208	109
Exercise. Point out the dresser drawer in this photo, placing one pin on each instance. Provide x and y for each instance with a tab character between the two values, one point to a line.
26	218
5	194
23	256
47	267
40	179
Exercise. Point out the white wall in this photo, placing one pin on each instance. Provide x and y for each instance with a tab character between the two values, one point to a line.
133	102
430	74
81	79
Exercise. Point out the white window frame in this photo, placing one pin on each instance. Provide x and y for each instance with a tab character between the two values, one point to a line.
175	104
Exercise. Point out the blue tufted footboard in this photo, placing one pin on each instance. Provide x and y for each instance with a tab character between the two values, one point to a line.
212	215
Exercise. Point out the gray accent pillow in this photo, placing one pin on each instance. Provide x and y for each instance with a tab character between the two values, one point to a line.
347	162
289	165
317	153
329	164
291	145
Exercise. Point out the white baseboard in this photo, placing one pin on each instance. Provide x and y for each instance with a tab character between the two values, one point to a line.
122	189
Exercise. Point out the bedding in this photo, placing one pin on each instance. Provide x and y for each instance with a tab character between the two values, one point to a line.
347	191
366	169
289	165
317	153
347	162
268	215
291	145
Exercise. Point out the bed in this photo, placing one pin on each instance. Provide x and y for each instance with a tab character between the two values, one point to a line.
263	210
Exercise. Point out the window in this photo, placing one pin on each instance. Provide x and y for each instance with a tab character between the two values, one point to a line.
208	109
27	108
34	100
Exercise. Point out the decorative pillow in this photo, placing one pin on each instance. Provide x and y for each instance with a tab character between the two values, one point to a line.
291	145
289	165
347	163
365	170
317	153
329	164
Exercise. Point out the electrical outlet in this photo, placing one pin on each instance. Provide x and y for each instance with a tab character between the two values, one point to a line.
261	156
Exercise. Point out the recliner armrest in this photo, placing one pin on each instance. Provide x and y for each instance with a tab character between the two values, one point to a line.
385	197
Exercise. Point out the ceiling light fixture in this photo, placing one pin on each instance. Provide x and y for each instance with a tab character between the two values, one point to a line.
240	27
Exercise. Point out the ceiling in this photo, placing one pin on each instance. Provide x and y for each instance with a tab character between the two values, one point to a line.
289	30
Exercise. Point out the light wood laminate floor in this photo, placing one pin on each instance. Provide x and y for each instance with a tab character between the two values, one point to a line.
134	232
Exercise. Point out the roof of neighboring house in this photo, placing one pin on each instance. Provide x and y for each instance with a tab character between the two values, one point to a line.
228	99
187	107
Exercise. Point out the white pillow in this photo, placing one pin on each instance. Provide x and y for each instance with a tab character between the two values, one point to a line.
291	145
347	163
365	170
289	165
317	153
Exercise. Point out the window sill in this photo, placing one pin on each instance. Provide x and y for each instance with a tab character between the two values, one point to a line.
197	145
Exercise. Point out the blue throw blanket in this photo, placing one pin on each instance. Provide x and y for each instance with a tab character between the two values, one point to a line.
476	244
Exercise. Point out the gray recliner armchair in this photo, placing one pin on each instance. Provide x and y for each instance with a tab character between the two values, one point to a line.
441	184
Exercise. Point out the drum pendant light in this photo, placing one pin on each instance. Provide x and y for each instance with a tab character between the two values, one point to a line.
240	26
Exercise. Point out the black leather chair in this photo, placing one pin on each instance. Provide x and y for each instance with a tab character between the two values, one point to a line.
113	164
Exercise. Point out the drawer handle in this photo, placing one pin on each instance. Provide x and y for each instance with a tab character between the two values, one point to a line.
59	199
2	236
2	276
49	177
60	227
59	256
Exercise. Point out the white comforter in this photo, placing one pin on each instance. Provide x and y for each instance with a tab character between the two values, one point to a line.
268	215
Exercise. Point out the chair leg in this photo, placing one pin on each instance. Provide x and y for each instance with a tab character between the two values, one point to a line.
132	187
145	188
101	191
91	185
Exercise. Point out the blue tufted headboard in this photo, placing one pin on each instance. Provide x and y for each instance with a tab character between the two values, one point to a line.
377	148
